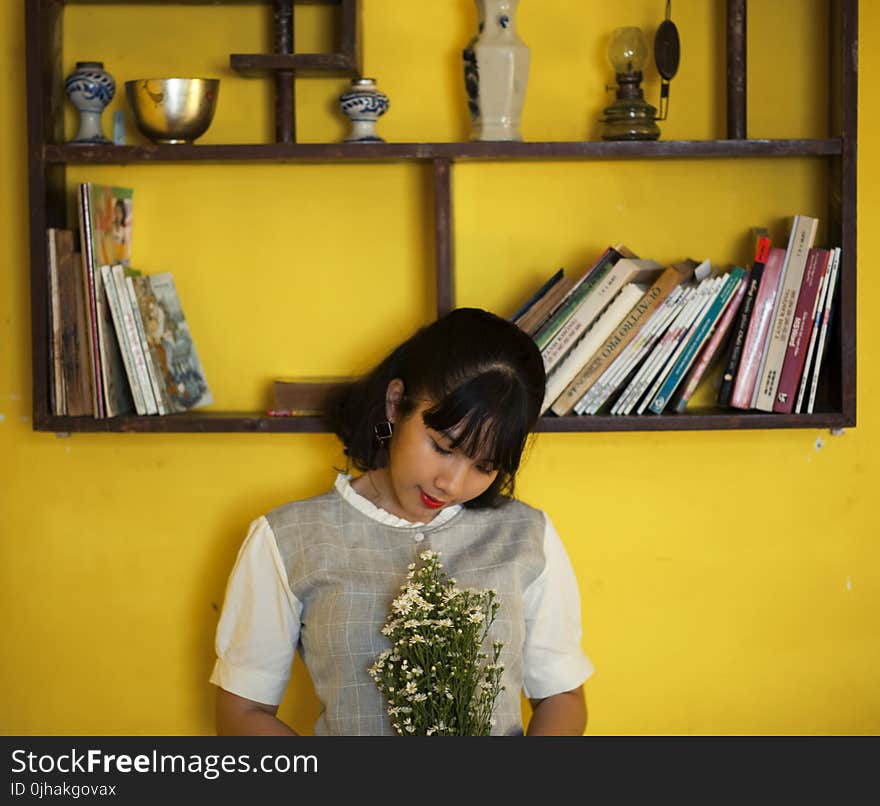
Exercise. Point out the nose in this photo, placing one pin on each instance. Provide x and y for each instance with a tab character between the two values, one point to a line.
451	479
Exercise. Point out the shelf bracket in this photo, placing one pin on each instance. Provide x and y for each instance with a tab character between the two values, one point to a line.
443	236
284	64
736	69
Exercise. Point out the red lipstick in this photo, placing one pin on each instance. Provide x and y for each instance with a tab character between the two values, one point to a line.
431	503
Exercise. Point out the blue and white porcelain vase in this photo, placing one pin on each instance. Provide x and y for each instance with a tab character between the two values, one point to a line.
363	105
90	88
496	68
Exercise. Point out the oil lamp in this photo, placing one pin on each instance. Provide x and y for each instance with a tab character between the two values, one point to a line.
631	117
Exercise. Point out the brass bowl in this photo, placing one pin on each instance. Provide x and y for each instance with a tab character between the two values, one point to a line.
173	110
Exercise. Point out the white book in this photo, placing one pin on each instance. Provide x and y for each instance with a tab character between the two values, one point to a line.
681	342
55	325
134	340
636	387
814	332
156	381
595	337
823	335
803	234
626	270
661	351
617	371
137	393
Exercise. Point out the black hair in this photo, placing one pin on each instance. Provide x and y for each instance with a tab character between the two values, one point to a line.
477	370
120	205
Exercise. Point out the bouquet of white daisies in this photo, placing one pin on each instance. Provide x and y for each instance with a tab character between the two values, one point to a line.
436	677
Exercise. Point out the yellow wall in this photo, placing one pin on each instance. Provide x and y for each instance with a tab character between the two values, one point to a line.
729	579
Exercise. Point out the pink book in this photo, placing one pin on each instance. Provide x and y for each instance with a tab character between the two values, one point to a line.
802	324
759	330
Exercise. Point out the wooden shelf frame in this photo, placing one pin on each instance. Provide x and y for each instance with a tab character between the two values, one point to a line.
456	152
244	422
48	158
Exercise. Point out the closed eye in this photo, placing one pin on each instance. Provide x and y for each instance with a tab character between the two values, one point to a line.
487	469
440	449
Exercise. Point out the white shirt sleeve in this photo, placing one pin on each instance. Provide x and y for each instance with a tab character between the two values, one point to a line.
259	626
553	660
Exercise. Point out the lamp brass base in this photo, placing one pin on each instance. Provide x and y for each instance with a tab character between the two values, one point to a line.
630	119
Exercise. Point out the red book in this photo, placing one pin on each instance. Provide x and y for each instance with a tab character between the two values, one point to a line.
802	324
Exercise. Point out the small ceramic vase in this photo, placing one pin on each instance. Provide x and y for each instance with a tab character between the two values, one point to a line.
496	73
90	88
363	104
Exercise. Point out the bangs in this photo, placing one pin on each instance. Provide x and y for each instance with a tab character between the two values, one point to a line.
490	416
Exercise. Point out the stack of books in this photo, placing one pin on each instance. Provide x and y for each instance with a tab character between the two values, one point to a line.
632	337
778	345
120	342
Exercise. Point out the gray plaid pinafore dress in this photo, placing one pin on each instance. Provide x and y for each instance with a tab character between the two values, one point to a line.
345	568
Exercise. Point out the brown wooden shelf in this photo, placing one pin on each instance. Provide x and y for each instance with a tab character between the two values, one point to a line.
49	204
345	152
256	422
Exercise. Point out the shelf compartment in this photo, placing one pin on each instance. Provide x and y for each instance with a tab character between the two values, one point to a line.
255	423
352	152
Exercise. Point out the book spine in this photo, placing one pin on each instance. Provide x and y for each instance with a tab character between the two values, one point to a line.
747	373
119	325
823	335
77	398
586	313
696	339
658	353
805	312
90	283
803	234
654	351
535	318
737	343
133	340
628	361
591	342
617	342
56	373
539	294
156	381
814	334
82	337
575	296
708	354
674	348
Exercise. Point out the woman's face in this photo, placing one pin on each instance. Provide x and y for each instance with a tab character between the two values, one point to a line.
426	474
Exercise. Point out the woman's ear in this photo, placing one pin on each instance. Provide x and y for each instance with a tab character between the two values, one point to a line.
393	397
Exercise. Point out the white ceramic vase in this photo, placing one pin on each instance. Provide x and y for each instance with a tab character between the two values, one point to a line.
90	88
496	66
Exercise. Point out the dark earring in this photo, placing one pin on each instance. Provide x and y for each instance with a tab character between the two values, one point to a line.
383	432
